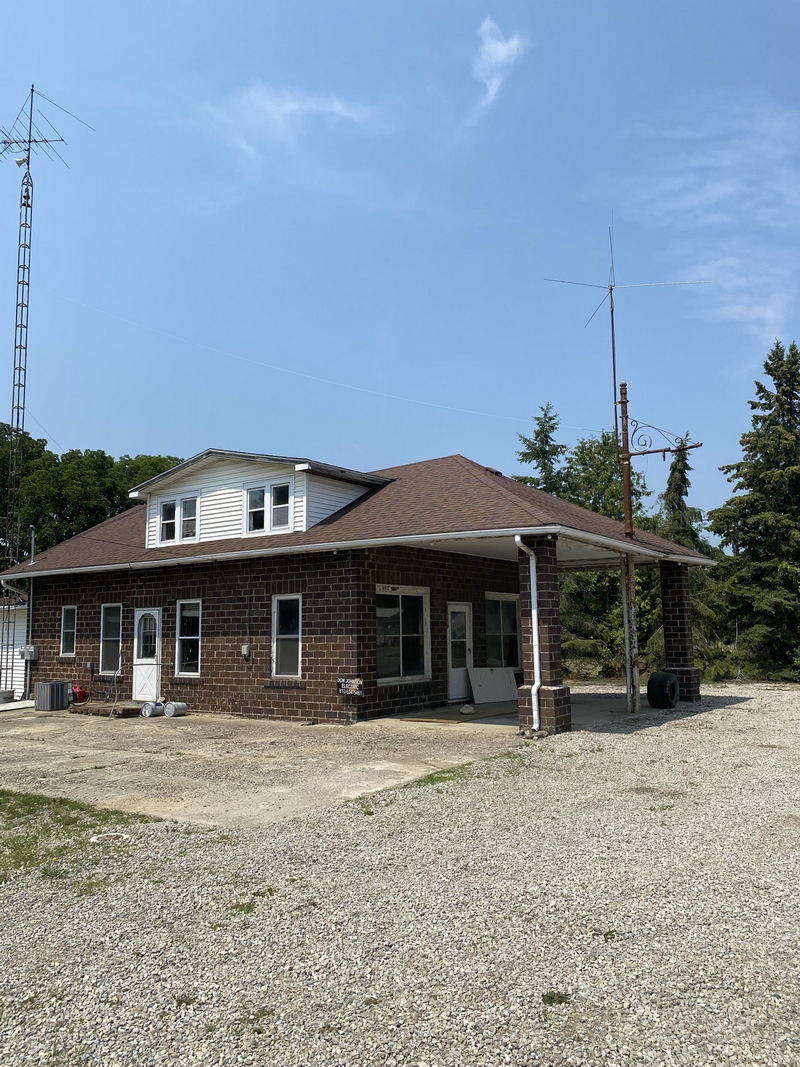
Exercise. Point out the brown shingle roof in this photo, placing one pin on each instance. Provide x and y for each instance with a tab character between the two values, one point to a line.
437	496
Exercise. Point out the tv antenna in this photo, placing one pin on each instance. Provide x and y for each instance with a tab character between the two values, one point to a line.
611	286
642	434
30	135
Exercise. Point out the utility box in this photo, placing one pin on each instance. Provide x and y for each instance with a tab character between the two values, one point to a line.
51	696
29	652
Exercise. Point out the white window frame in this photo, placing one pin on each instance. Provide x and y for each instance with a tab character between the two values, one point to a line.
275	601
178	500
269	526
73	631
515	598
178	605
102	672
425	593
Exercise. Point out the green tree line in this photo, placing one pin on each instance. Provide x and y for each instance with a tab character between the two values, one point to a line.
746	608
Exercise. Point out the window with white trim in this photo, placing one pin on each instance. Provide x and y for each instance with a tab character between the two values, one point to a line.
187	636
287	629
69	616
269	507
178	519
403	644
167	527
502	630
189	518
110	637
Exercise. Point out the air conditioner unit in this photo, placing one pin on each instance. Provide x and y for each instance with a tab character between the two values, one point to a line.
29	652
51	696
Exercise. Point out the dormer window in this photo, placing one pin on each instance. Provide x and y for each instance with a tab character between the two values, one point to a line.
269	507
178	519
280	506
189	518
168	509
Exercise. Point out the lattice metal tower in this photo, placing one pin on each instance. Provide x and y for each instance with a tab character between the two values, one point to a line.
24	138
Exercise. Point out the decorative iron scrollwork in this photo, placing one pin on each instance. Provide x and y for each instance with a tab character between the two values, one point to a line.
643	436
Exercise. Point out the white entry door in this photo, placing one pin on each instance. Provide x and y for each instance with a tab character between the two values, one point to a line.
147	654
459	650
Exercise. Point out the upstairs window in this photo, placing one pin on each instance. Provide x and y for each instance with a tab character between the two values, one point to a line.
402	632
269	507
68	618
502	630
168	510
178	519
280	505
255	510
189	518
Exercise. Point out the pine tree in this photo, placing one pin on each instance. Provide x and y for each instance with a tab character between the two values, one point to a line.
679	522
761	523
544	452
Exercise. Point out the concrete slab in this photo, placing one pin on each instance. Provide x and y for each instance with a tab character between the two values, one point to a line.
223	771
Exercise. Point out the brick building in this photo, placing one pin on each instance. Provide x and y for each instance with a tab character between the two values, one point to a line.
271	586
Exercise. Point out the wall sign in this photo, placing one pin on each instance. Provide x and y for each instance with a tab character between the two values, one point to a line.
350	687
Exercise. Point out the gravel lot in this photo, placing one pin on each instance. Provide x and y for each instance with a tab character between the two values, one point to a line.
625	897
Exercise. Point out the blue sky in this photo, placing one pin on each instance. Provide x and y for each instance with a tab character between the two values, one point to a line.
322	229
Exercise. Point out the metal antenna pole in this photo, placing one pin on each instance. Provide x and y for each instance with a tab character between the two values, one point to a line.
26	138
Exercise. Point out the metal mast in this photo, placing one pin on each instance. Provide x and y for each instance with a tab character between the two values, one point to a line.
25	137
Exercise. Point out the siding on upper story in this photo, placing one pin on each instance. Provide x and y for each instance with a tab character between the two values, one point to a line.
220	488
326	496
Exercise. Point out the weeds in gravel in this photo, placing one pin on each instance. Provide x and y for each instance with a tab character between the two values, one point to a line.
253	1016
553	996
185	1000
510	762
246	907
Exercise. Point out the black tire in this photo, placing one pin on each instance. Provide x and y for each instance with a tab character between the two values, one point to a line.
663	690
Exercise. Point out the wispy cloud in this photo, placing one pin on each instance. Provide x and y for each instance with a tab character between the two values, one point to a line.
493	62
726	187
260	116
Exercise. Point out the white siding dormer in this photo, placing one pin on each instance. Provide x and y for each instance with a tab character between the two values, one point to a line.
226	497
326	496
220	493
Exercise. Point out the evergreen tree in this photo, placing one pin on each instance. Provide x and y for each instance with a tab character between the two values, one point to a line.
679	522
544	452
761	524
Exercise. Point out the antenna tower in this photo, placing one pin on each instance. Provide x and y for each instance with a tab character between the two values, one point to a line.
24	139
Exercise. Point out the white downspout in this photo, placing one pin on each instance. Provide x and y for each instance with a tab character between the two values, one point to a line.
537	656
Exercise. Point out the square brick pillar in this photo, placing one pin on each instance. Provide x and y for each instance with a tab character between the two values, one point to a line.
555	708
676	609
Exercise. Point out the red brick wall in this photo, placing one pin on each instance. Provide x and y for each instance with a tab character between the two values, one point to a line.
338	627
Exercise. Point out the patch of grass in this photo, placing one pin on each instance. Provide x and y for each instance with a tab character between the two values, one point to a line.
553	996
90	886
253	1016
607	935
246	907
365	807
267	891
51	834
459	773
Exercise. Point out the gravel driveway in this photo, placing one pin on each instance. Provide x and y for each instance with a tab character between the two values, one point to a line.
616	898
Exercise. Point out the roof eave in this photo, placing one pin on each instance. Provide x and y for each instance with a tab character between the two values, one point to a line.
642	552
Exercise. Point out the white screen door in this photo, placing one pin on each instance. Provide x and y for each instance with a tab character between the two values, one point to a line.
147	654
459	650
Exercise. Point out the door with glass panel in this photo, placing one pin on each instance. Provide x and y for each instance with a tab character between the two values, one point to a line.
459	650
147	654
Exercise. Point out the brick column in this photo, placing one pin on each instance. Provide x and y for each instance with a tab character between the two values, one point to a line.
555	709
676	609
